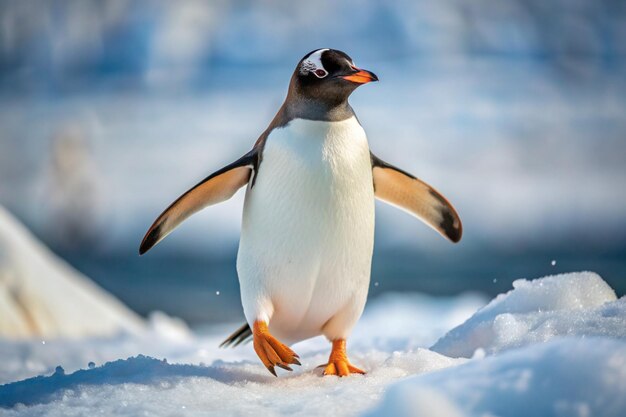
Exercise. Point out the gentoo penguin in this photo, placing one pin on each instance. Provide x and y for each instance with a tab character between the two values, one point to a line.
307	232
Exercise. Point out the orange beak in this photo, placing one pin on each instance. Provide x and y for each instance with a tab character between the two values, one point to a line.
361	77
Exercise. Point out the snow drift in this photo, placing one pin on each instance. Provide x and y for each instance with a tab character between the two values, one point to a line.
579	304
41	295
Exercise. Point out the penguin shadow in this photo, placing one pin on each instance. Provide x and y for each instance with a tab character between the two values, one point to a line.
141	370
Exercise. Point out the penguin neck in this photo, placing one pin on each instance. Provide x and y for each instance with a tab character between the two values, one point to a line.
329	107
311	109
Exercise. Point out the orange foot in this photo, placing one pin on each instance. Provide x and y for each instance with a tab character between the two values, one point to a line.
270	350
338	361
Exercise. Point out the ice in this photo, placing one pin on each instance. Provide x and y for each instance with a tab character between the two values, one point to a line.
575	304
41	295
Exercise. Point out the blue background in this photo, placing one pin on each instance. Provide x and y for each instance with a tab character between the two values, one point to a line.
516	111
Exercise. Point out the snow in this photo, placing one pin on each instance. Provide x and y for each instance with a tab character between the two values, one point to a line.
42	296
579	304
551	346
207	380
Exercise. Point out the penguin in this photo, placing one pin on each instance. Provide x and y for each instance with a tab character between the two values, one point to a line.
307	233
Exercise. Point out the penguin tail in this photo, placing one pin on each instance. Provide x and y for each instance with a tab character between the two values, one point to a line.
242	334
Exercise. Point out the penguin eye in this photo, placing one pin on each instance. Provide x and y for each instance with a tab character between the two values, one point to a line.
320	73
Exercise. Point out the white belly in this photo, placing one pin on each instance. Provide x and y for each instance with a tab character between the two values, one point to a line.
308	230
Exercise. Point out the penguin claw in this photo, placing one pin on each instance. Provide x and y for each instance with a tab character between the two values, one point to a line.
271	351
285	367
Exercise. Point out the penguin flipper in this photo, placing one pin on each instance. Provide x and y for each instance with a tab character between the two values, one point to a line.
217	187
401	189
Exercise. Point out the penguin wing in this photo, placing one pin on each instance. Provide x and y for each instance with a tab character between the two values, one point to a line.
401	189
217	187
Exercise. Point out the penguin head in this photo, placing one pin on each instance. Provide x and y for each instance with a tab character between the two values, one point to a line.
328	75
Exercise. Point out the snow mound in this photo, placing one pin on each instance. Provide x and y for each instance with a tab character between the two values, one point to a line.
42	296
575	304
566	377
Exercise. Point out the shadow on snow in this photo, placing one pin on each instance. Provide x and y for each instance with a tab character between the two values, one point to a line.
136	370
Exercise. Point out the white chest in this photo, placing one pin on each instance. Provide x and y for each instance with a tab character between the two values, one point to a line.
315	179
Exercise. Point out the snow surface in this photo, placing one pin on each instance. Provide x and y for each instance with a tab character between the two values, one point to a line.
41	295
565	377
569	361
199	378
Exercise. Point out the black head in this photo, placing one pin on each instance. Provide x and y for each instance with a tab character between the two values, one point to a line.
327	77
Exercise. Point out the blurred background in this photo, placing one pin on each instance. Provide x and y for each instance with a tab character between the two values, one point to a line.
516	111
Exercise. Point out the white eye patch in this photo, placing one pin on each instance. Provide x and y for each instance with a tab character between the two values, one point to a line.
320	73
313	64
